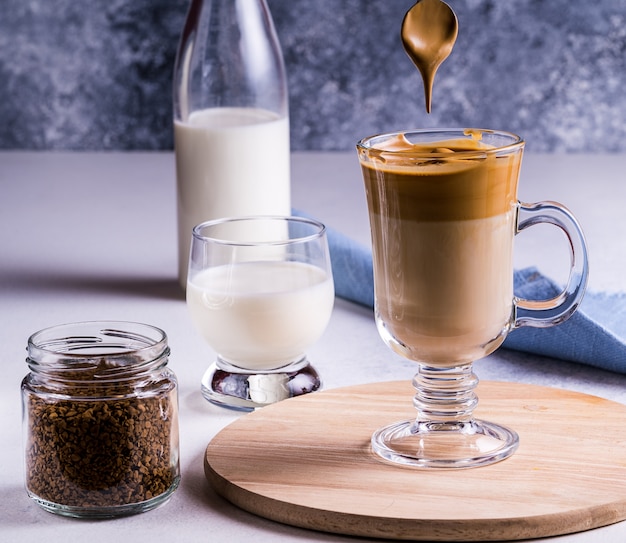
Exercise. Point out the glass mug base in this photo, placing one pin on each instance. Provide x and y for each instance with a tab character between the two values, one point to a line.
441	445
445	433
245	390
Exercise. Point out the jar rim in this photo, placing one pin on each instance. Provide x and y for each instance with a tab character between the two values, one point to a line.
84	345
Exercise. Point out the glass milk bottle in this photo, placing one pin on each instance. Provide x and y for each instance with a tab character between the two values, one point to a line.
231	119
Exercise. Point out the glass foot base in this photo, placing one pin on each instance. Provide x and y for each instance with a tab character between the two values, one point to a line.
228	386
444	445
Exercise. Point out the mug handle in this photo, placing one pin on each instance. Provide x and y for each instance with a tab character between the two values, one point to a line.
545	313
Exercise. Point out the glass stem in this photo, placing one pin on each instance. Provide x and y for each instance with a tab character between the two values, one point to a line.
445	397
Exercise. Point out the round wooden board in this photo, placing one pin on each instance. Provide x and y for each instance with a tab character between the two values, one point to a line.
307	462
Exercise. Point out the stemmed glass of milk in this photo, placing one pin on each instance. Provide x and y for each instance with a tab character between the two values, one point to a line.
260	291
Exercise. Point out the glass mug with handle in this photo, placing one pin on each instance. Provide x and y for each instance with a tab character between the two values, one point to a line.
443	213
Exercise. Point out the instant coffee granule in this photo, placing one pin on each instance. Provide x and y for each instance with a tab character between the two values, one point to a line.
99	453
101	436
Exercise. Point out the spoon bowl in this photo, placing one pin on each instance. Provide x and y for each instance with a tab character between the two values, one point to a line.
428	33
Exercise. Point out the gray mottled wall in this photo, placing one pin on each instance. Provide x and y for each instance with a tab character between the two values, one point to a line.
96	74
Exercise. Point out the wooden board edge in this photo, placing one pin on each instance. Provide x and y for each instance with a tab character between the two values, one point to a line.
349	524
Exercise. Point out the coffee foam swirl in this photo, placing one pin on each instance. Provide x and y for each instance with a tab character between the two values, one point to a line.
455	179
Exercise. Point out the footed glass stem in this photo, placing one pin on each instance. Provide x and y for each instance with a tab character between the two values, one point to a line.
445	433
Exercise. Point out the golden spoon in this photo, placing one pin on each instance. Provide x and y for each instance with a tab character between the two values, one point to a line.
429	30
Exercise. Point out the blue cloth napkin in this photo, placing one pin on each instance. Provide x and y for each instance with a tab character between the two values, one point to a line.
594	335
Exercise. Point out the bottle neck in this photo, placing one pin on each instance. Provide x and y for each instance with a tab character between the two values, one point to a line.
229	56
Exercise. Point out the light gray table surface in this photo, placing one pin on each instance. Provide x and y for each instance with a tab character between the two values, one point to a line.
91	236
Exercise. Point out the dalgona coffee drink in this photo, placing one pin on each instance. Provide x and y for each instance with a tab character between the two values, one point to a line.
442	209
443	215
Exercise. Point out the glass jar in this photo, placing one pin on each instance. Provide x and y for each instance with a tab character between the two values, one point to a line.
100	409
